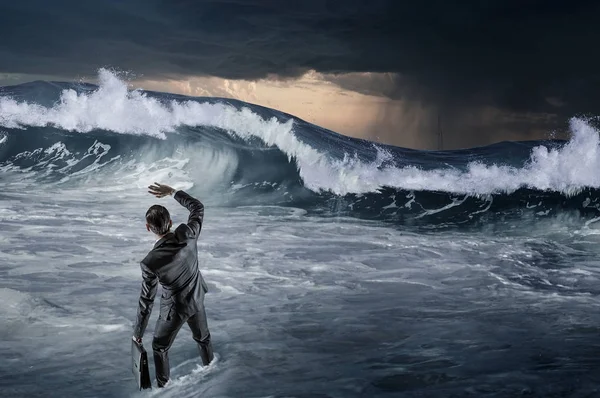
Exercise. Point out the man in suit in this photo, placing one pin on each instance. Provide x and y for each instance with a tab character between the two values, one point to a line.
174	263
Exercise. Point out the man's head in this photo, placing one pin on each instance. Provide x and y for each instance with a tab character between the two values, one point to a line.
158	220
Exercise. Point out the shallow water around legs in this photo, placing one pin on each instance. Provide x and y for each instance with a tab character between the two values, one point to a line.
299	306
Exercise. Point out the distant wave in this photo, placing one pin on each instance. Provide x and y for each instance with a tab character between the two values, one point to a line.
58	132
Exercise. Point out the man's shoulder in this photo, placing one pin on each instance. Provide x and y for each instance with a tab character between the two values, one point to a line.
147	260
152	257
183	231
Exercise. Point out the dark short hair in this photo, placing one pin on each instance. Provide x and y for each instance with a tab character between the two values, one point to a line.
158	218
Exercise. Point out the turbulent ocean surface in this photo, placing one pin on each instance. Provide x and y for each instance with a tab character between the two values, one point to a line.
337	267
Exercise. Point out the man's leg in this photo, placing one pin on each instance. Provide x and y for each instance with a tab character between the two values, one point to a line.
164	335
199	327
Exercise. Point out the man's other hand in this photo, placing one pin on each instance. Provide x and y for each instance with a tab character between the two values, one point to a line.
160	191
137	340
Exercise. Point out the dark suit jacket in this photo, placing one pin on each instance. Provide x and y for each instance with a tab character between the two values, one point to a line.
174	263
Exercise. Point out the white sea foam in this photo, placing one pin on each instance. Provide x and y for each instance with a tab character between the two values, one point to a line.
114	107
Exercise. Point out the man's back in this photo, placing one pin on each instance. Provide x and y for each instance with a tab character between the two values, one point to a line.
173	261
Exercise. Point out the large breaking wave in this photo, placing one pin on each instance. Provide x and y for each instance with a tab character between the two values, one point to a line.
75	134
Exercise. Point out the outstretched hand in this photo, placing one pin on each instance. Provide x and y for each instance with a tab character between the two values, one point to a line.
160	191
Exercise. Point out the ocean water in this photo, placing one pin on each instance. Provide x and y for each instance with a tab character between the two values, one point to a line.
337	267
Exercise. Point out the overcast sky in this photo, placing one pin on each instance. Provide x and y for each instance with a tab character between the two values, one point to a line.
380	69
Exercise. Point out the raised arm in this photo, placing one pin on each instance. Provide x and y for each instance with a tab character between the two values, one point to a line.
196	209
149	287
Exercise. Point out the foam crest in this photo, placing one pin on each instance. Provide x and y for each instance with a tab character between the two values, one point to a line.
568	170
113	107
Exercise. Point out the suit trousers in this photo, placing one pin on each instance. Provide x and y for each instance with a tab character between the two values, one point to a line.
164	335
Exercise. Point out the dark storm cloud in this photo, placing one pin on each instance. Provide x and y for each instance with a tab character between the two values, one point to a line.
519	55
